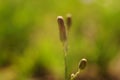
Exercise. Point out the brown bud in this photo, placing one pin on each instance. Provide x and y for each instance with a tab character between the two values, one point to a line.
82	64
62	30
69	21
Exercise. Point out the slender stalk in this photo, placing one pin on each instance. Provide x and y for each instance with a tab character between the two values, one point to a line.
64	40
65	46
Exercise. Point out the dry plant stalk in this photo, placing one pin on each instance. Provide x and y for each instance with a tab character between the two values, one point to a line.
63	39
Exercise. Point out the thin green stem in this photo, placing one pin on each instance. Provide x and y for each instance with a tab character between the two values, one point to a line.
65	45
65	62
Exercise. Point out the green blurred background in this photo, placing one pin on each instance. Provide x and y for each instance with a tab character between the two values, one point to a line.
30	48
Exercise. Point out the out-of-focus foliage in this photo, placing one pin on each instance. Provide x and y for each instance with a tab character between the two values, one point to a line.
29	37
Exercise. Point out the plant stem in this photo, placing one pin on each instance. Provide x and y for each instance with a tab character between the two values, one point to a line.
65	46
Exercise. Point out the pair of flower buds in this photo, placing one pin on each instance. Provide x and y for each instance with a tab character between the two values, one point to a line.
63	27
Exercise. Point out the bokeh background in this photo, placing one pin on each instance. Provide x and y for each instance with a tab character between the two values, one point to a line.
30	48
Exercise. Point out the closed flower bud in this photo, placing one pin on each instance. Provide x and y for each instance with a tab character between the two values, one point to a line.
82	64
62	30
69	21
72	75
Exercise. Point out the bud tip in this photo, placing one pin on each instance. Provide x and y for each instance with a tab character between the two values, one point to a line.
59	17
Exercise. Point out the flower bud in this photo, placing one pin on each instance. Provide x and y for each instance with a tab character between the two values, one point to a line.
82	64
69	21
62	30
72	75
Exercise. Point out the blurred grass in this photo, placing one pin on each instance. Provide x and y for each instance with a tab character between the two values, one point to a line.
29	35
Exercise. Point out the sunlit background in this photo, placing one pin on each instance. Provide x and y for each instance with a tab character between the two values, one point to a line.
30	48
